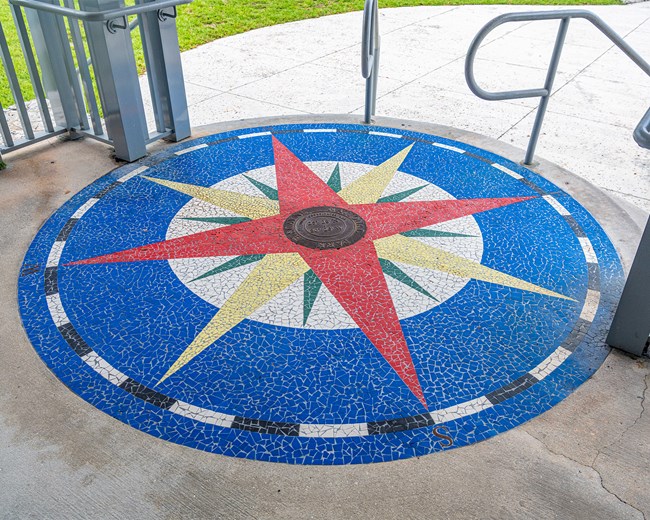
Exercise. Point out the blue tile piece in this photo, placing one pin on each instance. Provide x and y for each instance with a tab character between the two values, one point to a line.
522	297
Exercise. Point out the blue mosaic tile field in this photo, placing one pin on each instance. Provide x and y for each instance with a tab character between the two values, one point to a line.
170	295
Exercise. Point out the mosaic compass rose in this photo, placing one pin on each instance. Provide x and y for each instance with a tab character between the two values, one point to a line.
339	236
321	294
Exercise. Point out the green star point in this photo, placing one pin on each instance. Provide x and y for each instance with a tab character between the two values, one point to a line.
334	181
231	264
267	190
312	286
393	271
432	233
397	197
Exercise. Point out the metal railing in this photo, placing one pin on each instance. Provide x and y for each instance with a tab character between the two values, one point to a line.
642	132
71	84
630	329
19	101
370	46
102	15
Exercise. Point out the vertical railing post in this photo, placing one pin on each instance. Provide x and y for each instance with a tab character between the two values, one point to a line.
548	86
631	326
370	48
30	61
117	76
84	72
14	86
164	71
376	55
52	48
5	132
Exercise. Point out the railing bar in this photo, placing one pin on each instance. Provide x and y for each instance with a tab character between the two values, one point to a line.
84	72
91	62
14	85
72	72
152	80
98	16
641	132
34	75
4	129
102	138
38	137
153	137
376	56
578	13
370	45
471	80
548	86
366	38
623	45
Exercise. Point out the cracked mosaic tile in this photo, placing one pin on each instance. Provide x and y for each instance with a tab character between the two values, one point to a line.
321	294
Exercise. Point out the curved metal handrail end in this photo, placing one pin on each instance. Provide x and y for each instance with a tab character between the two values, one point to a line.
487	29
529	16
367	38
641	133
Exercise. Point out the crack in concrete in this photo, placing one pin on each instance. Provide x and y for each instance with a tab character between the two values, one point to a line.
642	404
602	485
600	477
600	451
634	423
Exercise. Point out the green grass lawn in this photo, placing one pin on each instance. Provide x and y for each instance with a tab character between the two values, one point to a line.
205	20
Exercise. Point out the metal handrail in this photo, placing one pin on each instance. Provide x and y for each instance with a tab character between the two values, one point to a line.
99	16
642	131
73	91
370	46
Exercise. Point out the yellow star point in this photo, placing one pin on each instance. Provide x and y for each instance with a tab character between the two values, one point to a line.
369	187
272	275
399	248
246	205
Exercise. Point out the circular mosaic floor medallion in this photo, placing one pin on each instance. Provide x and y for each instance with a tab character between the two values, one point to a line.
321	294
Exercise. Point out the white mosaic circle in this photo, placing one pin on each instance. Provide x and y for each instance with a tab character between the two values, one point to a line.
286	309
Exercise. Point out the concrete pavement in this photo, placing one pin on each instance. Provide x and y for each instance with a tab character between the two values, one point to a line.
588	457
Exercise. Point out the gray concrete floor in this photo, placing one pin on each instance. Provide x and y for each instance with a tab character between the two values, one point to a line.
589	457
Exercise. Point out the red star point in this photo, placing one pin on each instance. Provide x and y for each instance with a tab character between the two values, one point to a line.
352	274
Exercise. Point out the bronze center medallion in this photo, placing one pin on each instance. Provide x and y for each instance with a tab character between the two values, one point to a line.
324	227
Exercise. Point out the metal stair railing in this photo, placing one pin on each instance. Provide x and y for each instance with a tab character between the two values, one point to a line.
69	97
630	329
30	135
642	132
104	15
